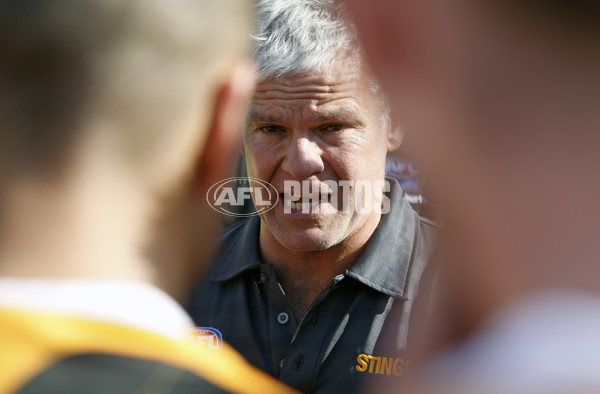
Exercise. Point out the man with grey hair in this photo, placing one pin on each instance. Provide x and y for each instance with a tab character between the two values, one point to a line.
306	289
113	118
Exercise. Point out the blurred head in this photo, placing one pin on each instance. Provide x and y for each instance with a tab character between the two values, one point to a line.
121	106
498	101
316	116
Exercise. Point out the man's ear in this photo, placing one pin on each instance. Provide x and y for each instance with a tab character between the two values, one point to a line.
395	137
218	155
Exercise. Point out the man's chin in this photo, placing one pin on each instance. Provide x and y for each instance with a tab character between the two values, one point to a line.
307	243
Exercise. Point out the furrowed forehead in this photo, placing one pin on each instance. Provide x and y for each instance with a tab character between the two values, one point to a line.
344	112
311	92
317	85
337	94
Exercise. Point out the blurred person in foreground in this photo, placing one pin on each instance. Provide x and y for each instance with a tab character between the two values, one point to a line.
114	118
500	101
305	290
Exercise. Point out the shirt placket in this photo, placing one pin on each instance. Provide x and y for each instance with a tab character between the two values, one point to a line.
302	355
281	322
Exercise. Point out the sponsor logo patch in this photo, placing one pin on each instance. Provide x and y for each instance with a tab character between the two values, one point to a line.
207	337
380	365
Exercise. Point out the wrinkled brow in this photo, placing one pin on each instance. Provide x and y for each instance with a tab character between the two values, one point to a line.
255	117
338	115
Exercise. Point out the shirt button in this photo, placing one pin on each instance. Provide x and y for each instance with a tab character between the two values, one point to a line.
263	277
283	318
281	362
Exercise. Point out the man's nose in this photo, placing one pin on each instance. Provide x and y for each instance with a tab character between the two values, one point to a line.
303	159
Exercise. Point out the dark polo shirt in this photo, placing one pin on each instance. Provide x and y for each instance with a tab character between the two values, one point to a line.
337	343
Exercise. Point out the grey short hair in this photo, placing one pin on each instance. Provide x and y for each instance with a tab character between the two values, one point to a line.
300	36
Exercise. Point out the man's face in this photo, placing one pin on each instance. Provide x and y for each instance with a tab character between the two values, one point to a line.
324	126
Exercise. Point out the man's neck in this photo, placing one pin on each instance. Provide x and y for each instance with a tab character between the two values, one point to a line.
65	230
305	274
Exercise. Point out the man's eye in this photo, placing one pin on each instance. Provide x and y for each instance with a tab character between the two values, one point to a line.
270	129
332	128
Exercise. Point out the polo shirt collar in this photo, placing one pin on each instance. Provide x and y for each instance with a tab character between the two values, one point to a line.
125	303
384	265
242	253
